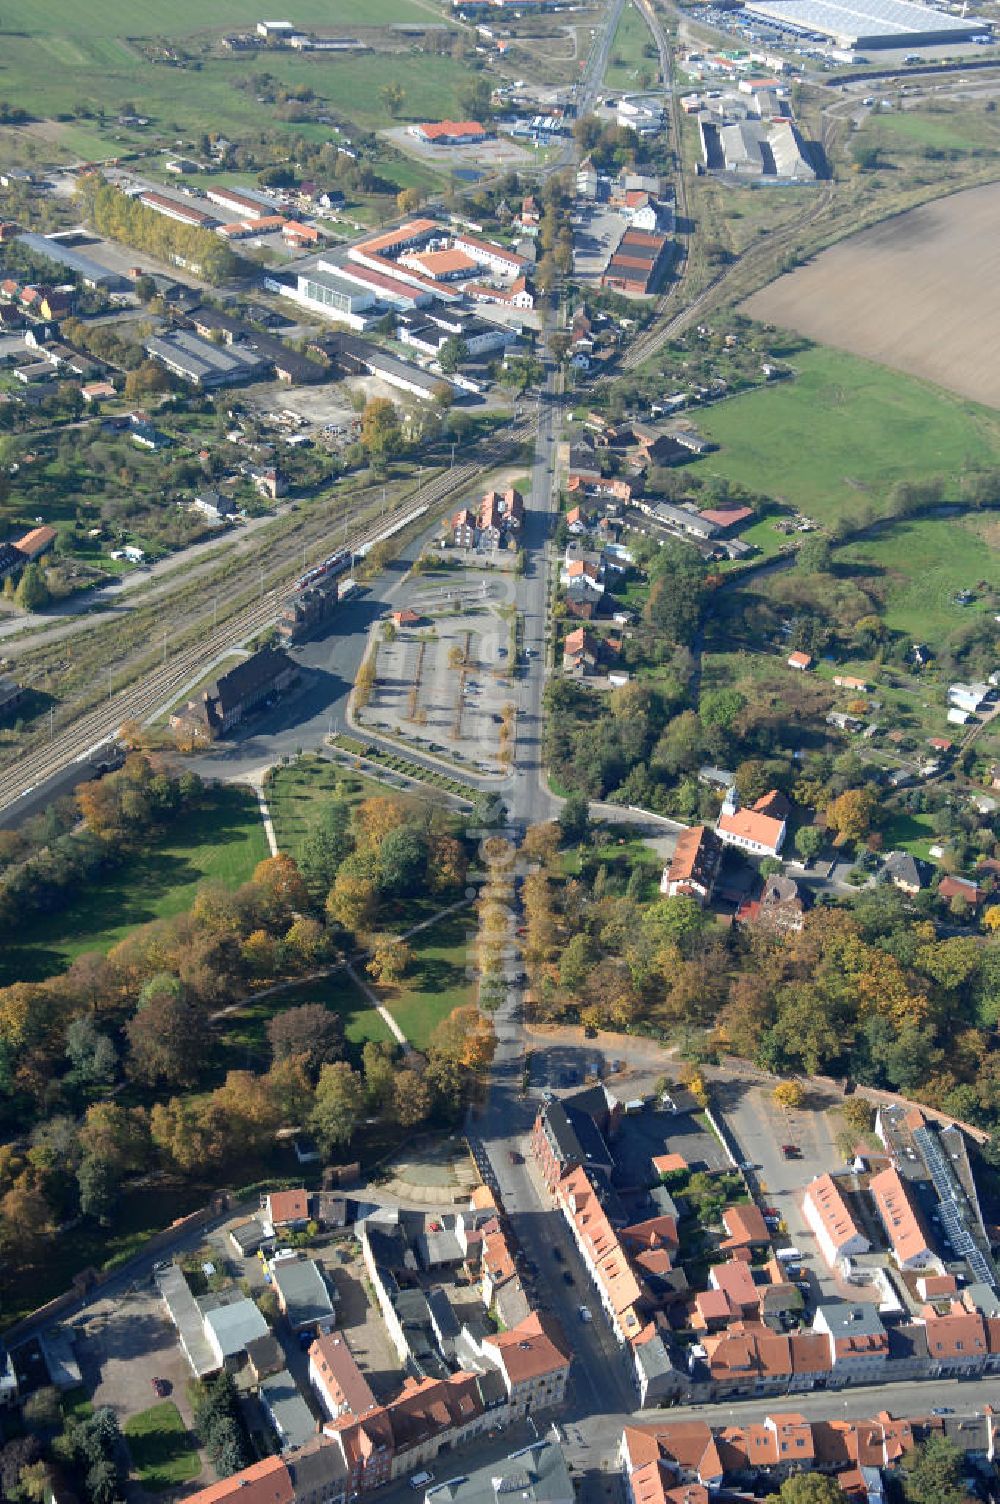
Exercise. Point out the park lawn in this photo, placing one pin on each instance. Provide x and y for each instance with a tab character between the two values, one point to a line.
161	1449
909	832
835	439
244	1030
296	794
438	981
221	841
626	59
923	563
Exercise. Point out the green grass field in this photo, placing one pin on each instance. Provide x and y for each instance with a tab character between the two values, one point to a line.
162	1453
837	437
296	794
113	18
80	71
245	1030
912	833
438	981
922	565
223	840
626	59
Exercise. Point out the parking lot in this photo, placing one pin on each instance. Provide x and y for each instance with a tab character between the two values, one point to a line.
122	1345
443	683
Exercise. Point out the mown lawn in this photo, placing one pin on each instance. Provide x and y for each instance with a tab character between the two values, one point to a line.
162	1452
245	1029
626	59
912	833
438	981
222	840
838	436
923	564
297	793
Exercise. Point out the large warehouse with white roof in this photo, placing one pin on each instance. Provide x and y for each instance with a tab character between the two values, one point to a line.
867	23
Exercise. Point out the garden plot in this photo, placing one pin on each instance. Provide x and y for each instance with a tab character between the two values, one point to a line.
443	689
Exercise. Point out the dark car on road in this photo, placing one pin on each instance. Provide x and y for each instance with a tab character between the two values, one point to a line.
568	1278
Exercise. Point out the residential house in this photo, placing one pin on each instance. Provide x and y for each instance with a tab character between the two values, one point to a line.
951	887
581	653
909	1244
286	1209
745	1228
695	864
780	907
533	1363
756	830
904	872
850	681
463	528
287	1411
267	1482
33	544
408	1433
536	1474
836	1229
336	1379
799	660
956	1341
857	1340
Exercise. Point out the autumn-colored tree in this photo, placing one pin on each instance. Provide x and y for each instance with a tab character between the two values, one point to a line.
789	1095
306	942
379	1068
351	901
280	876
117	1135
390	960
381	434
850	815
26	1225
411	1098
169	1034
465	1036
258	952
375	818
446	863
858	1114
541	842
309	1032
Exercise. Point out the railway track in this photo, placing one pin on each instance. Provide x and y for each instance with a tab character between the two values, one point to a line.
147	695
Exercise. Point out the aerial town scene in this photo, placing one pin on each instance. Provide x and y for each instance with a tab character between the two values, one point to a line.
500	752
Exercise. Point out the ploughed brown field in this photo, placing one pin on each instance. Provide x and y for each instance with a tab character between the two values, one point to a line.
920	293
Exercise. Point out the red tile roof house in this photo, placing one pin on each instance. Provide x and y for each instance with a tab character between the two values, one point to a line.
799	660
694	867
948	887
745	1226
286	1208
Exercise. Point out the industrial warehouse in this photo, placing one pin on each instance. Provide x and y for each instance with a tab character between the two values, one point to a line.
867	23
